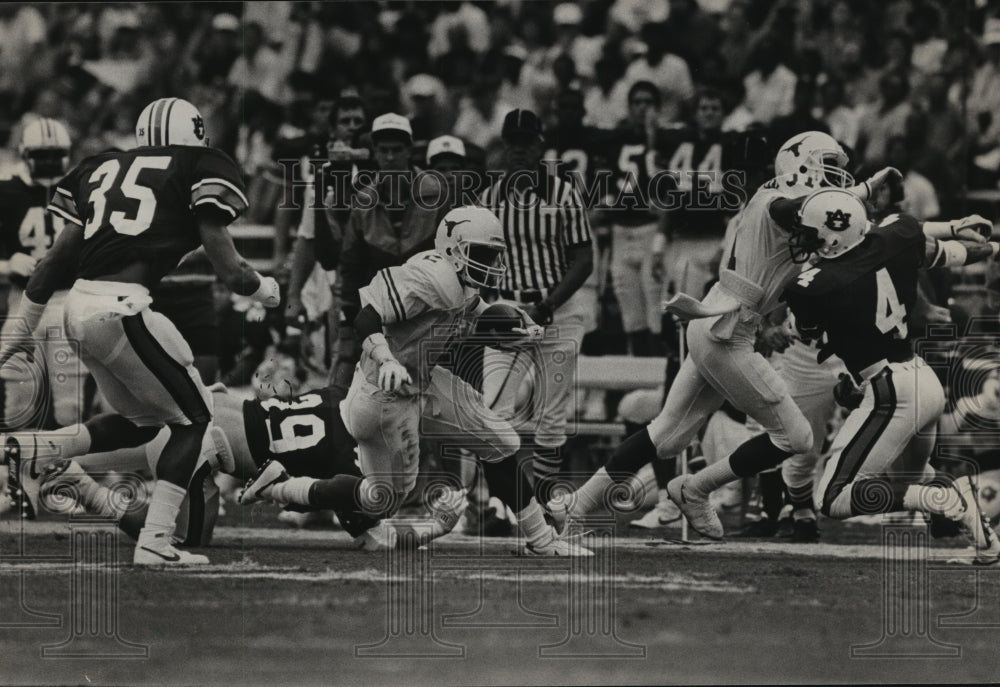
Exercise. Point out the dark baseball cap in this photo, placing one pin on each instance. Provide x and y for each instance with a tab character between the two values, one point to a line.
521	124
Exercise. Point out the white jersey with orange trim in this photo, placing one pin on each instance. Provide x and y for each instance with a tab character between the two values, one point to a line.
424	309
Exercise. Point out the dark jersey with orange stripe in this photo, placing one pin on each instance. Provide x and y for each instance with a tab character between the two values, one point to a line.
305	434
142	205
863	299
25	227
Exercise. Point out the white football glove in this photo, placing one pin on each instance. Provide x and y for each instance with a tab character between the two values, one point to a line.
392	375
267	294
880	178
972	228
530	333
21	264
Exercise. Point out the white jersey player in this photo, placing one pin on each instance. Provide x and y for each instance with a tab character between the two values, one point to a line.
758	262
413	316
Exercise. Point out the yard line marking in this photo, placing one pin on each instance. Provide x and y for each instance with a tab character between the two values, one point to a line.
339	540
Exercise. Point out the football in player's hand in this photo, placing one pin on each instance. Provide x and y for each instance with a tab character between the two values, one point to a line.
499	323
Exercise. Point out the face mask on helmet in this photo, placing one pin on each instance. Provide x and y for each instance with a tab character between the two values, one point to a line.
803	243
484	264
832	172
47	165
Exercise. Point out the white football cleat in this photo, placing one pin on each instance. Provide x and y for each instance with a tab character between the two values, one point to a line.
258	487
160	552
381	537
696	508
551	545
984	539
664	513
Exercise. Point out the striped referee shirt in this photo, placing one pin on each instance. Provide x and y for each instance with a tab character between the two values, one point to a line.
540	225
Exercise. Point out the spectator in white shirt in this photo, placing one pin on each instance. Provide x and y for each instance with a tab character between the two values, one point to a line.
605	108
668	71
259	69
843	121
919	197
770	87
887	118
585	50
480	115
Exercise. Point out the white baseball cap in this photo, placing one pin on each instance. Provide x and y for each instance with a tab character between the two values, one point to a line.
567	13
225	22
442	145
391	122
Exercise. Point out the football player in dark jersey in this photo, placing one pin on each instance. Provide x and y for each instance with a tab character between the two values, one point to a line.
130	217
707	165
305	432
860	292
634	221
55	374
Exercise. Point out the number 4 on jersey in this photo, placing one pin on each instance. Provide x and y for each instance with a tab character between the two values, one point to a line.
889	312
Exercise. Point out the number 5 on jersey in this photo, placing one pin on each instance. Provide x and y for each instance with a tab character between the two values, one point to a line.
106	176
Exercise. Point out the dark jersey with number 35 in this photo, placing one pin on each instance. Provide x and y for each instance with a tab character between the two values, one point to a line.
863	299
305	434
141	205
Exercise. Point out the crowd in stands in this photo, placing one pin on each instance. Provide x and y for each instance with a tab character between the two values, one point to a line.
912	83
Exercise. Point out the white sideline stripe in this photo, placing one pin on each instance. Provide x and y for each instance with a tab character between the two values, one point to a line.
671	582
340	540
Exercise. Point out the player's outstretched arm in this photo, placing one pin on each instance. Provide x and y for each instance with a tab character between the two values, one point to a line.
957	253
972	228
231	268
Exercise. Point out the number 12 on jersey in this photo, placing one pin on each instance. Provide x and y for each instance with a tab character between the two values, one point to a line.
889	312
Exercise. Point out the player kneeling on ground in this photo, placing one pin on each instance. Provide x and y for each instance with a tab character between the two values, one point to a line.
860	292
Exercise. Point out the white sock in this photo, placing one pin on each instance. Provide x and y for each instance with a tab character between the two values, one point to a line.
591	495
96	498
930	499
662	499
532	523
164	505
294	490
712	477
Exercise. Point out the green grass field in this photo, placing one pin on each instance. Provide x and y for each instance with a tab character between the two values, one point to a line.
281	606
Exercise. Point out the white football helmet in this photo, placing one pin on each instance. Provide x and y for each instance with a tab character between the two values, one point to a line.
831	222
170	122
471	238
44	147
812	161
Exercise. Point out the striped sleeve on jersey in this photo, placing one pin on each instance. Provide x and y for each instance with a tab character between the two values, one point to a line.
63	205
219	193
384	296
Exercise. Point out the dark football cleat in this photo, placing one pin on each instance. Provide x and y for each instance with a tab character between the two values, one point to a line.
762	528
805	531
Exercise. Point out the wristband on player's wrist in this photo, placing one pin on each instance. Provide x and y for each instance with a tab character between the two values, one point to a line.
378	348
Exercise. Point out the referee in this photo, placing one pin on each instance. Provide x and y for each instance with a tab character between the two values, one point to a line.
549	258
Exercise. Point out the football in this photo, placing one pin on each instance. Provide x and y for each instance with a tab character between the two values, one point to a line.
498	322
